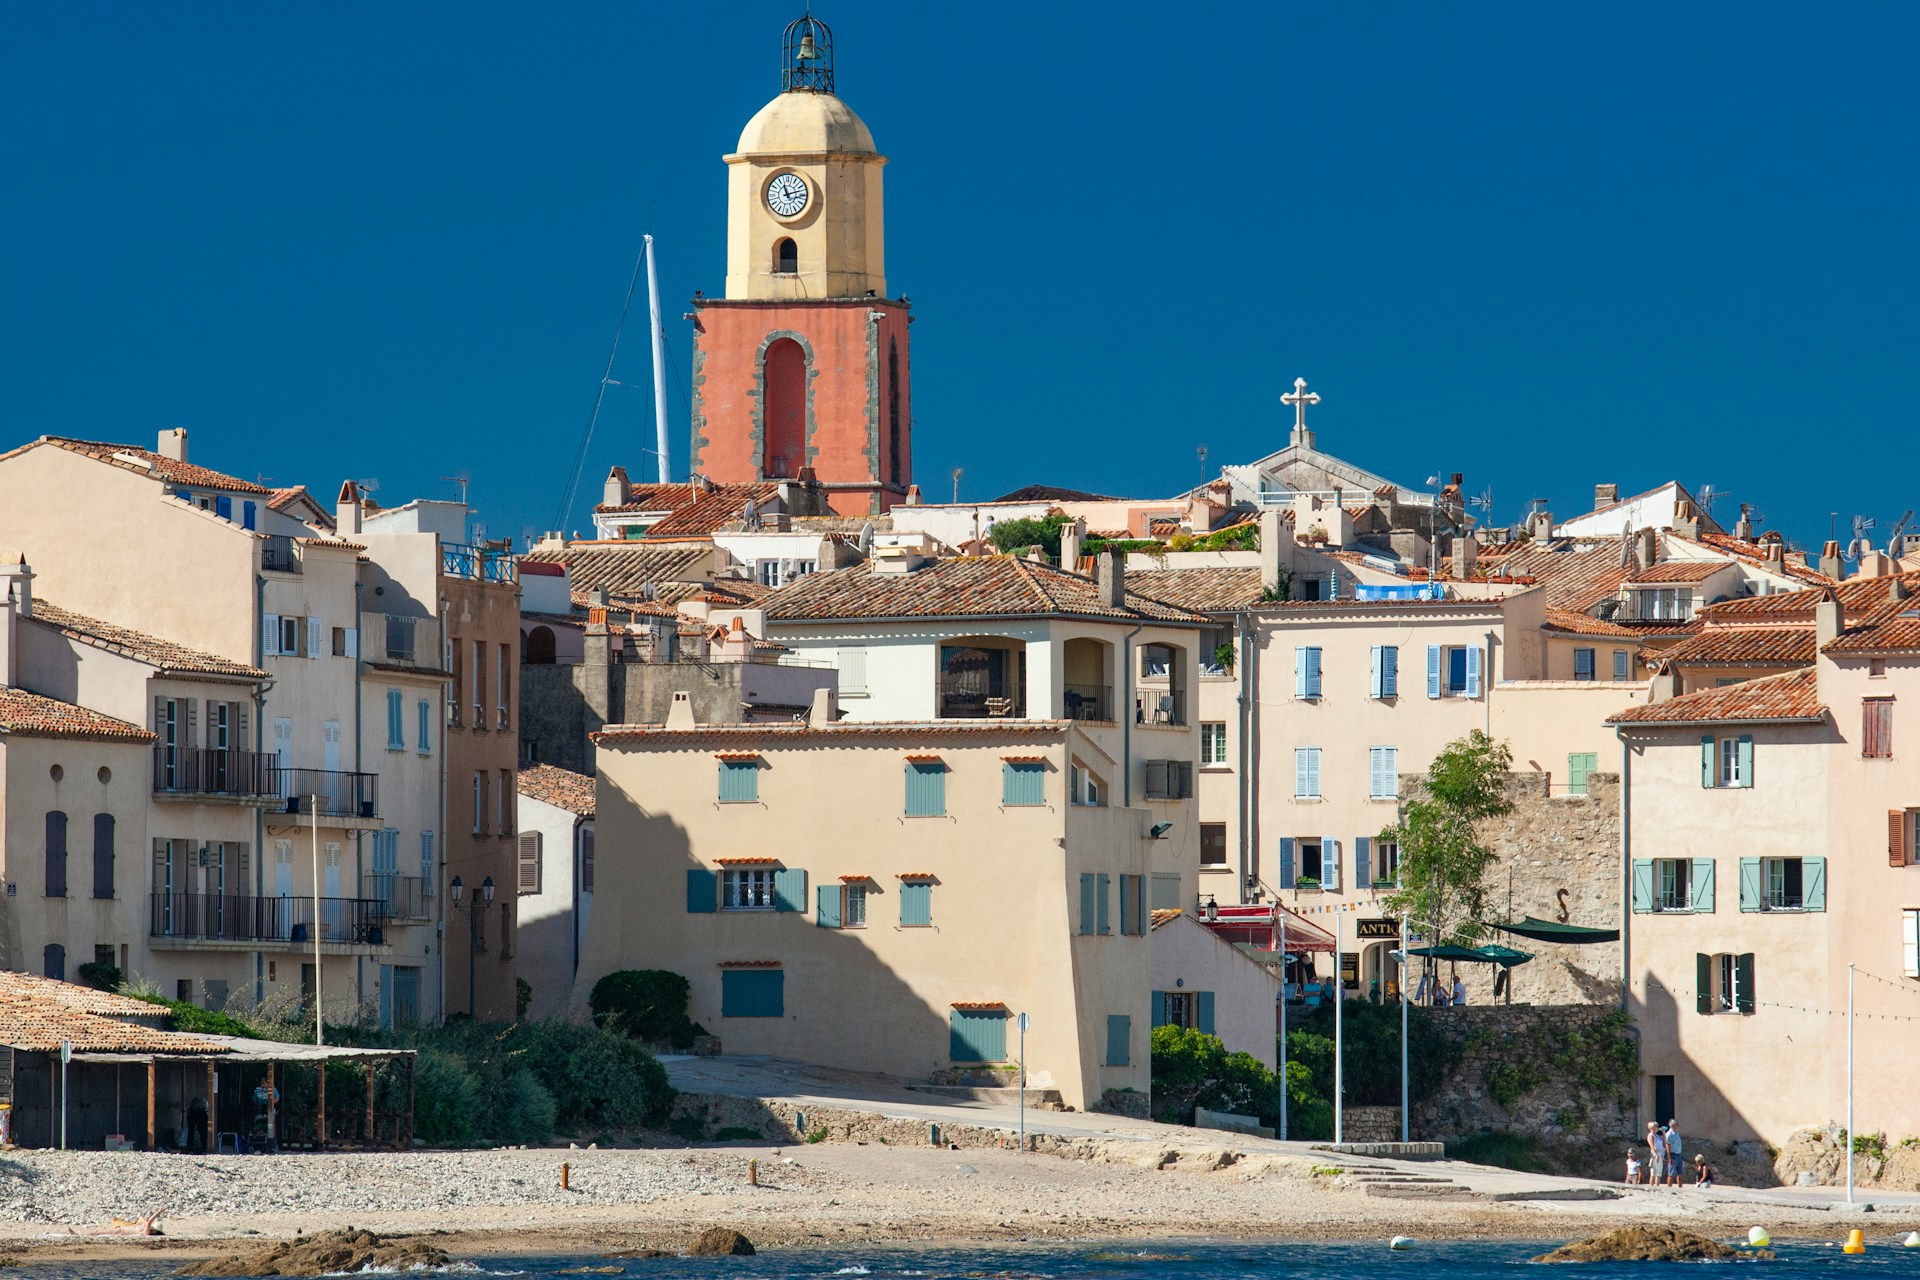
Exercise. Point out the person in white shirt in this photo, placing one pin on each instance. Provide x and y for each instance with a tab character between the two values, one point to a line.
1459	991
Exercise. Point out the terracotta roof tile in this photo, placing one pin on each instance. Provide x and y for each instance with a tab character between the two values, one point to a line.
1162	916
1202	590
1792	696
1754	553
1572	579
156	465
162	654
963	587
1576	623
1893	628
29	715
36	1014
626	569
561	788
775	733
1776	646
693	511
1678	571
1858	596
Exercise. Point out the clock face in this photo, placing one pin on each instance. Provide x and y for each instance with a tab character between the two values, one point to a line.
787	194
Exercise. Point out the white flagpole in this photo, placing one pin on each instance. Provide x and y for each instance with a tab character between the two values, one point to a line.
1405	1120
1339	1058
1850	1083
663	440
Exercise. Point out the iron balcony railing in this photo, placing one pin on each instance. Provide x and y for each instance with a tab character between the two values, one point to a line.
398	897
970	699
340	795
277	554
227	917
1089	702
480	564
214	771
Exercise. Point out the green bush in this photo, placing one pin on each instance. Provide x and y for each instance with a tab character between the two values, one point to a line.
1501	1149
1009	536
446	1097
1371	1037
191	1017
1193	1069
647	1004
101	975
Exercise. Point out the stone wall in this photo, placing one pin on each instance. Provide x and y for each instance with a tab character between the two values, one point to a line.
1550	1071
1370	1124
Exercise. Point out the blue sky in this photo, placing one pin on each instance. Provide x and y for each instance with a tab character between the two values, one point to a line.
1544	245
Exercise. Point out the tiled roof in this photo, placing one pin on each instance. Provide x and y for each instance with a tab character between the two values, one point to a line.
1894	628
1792	696
626	569
1858	596
1162	916
36	1014
1755	553
964	587
1051	493
1576	623
1202	590
776	733
694	511
1572	579
1776	646
70	995
1678	571
561	788
164	655
32	716
157	465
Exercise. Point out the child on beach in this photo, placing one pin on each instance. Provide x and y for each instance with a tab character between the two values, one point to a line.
1702	1171
1633	1167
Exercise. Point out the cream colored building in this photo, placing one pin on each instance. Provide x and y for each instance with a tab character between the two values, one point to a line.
954	885
1205	983
554	879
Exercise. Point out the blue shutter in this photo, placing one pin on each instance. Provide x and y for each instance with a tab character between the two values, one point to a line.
1203	1011
1119	1039
1100	892
703	891
977	1035
1813	884
1390	671
1583	664
1473	671
926	789
790	890
223	506
827	906
1746	759
1642	885
1622	667
1752	887
1377	684
1086	902
249	515
753	993
1700	888
739	781
426	725
916	903
1023	782
1286	862
1434	656
1707	761
1126	906
1159	1008
1362	862
396	721
1313	671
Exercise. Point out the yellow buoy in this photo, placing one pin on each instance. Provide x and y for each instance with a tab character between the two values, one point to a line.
1912	1241
1758	1237
1856	1242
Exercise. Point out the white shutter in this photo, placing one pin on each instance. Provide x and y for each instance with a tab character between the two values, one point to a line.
853	671
1329	863
1300	771
1911	943
270	634
316	637
353	642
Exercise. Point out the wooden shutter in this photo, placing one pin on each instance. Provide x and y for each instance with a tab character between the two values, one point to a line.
1622	665
853	671
1897	855
1160	1004
1126	906
926	789
1119	1039
739	781
103	855
1313	671
1377	678
1702	982
1583	664
528	861
1700	886
1086	902
316	637
1022	782
916	904
270	634
56	854
1329	862
1286	862
1642	885
1910	942
1390	671
1140	906
1744	996
1474	657
586	860
753	993
1362	862
826	910
1158	787
1103	901
790	889
1184	771
1203	1011
1709	765
1752	886
1300	672
396	721
703	891
1313	769
1813	884
1434	658
1746	759
977	1035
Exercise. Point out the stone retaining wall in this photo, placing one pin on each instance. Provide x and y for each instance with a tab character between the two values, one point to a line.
1370	1124
1520	1042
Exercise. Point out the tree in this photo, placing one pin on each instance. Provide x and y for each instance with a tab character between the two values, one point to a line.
1443	861
1009	536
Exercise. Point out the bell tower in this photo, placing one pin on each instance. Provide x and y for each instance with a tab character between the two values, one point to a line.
803	363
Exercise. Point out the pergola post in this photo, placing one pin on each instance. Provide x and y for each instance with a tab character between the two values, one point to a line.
213	1109
153	1109
272	1131
320	1105
406	1121
370	1129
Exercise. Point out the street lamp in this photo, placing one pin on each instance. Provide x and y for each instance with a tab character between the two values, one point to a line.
1211	912
479	903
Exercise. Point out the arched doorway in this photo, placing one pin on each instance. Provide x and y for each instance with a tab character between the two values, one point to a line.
783	400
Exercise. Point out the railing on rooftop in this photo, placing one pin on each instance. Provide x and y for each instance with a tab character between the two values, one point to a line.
277	554
230	917
340	795
398	897
388	637
478	564
1089	702
966	699
215	771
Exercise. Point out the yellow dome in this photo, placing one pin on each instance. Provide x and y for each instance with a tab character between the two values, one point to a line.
805	122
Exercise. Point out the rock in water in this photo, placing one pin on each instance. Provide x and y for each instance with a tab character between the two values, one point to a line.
720	1242
328	1253
1648	1244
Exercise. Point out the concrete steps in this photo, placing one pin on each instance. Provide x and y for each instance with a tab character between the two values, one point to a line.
1049	1098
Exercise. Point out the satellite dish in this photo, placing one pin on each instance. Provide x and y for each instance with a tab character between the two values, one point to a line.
749	516
1708	495
865	541
1894	545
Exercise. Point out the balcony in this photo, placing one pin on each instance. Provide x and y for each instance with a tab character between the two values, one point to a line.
1163	709
277	554
396	641
215	773
345	799
1089	702
398	897
478	564
970	698
187	919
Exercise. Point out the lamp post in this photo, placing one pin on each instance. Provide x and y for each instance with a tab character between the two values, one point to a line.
479	902
319	1022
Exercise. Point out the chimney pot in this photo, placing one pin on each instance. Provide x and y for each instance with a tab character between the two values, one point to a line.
1110	577
173	444
1827	621
1605	495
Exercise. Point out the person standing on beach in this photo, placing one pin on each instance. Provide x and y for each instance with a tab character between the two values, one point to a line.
1633	1166
1657	1149
1675	1165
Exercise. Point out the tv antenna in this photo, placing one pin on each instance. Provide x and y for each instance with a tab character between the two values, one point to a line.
1893	543
1202	451
957	473
1860	545
460	478
369	486
1708	495
1484	502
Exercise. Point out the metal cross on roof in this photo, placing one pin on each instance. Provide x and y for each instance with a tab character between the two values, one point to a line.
1300	398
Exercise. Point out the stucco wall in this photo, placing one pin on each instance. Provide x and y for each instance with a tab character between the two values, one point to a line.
1187	956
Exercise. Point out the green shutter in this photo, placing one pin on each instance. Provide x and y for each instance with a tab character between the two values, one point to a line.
1707	761
1746	759
1023	782
790	890
916	903
1642	885
1140	906
1752	889
1159	1008
1086	903
1119	1039
1126	905
1700	891
1362	862
1813	884
1286	862
1104	899
926	789
977	1035
703	891
1579	765
739	781
1743	993
753	993
827	906
1203	1011
1702	982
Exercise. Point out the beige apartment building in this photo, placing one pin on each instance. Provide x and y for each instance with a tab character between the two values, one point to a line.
883	896
1771	846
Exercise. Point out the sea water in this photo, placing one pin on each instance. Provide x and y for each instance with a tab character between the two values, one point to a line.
1135	1260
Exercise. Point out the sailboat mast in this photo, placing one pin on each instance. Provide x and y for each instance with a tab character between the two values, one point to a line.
662	436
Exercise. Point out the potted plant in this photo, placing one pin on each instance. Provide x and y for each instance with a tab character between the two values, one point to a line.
1306	882
1223	657
1317	535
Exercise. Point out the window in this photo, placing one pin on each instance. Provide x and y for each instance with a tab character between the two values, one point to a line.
854	915
753	993
1580	765
1119	1040
977	1034
1023	783
1910	942
1622	664
1386	862
1306	773
1192	1010
740	781
1213	844
1731	774
1723	983
427	869
1876	668
746	889
1786	884
916	904
1213	742
786	257
56	854
1383	773
396	721
1876	734
1672	880
1084	788
103	833
1583	664
479	802
479	684
926	789
1903	837
1169	779
1386	671
1453	671
1306	671
1726	762
778	573
454	687
1673	884
1783	884
1308	587
527	862
424	737
53	962
508	793
503	684
293	637
1662	604
853	672
1133	906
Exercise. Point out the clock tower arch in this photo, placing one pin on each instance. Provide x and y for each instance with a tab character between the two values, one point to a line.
802	364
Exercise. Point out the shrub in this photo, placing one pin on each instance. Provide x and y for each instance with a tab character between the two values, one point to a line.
1193	1069
101	975
647	1004
446	1098
1501	1149
1371	1035
1010	536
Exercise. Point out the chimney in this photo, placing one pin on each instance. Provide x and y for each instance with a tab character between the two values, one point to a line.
617	490
1896	590
1110	577
1827	620
913	496
346	511
1646	549
173	444
16	602
1830	563
1605	495
1072	533
1540	525
1463	557
825	709
1773	550
1743	527
1273	534
680	714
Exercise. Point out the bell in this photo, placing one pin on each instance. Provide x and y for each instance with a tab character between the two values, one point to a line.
808	51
